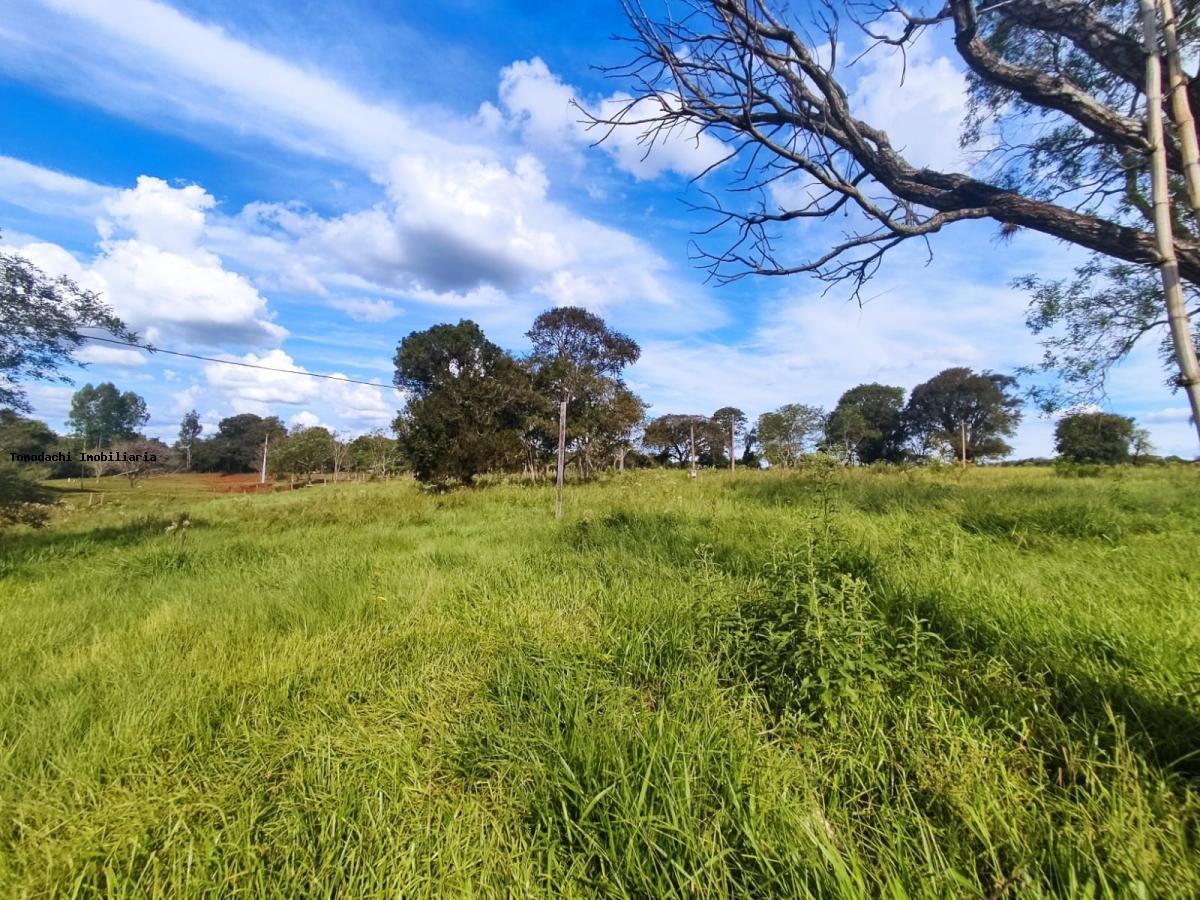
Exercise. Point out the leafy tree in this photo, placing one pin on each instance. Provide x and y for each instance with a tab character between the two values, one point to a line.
19	434
1094	437
189	433
604	426
302	452
468	403
41	319
376	454
1058	112
787	433
733	422
670	438
986	403
238	444
867	424
576	355
101	415
1092	321
22	499
1141	446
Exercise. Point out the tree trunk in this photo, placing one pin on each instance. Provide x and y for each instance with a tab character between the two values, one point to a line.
1181	110
562	455
1177	316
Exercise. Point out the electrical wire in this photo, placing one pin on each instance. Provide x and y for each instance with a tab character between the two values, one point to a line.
230	362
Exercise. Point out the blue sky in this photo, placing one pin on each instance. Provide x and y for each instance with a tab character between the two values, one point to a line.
302	184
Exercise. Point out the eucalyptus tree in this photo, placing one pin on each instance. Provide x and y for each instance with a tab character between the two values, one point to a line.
576	354
101	414
785	434
189	432
733	421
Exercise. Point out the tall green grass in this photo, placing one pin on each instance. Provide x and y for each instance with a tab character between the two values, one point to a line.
835	684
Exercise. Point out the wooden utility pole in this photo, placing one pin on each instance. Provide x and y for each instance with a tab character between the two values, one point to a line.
732	426
262	477
1177	316
963	434
562	454
692	450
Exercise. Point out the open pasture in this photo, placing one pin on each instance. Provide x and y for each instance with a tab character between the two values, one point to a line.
928	684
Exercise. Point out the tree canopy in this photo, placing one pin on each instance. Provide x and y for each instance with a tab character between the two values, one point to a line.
468	403
102	415
41	323
986	403
867	424
786	434
1094	437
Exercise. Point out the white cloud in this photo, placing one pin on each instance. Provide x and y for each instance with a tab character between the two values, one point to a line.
540	105
153	269
170	218
1170	414
48	192
340	404
109	356
368	310
919	99
304	419
145	58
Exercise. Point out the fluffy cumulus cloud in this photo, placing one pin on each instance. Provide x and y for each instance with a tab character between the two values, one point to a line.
469	234
152	267
281	383
550	114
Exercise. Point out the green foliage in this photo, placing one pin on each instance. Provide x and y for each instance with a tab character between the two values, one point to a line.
468	407
21	435
40	322
670	437
985	402
1095	437
1090	322
785	434
812	684
573	348
376	454
302	453
238	444
102	415
867	424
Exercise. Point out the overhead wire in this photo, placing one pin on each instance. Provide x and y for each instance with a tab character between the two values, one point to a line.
150	348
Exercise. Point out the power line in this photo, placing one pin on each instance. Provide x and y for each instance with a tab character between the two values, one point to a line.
229	362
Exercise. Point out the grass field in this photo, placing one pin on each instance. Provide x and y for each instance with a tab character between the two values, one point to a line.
976	684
